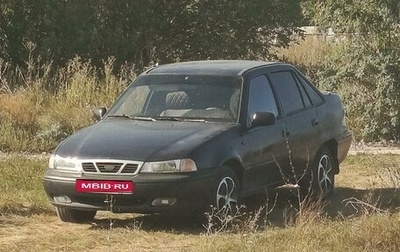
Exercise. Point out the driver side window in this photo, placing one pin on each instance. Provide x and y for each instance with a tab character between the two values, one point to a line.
261	97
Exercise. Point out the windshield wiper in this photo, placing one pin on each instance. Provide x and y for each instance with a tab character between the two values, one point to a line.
179	119
161	118
195	120
168	118
144	118
121	116
141	118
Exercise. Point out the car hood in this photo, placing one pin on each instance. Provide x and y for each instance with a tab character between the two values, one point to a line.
139	140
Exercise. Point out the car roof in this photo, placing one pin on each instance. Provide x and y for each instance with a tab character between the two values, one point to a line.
209	67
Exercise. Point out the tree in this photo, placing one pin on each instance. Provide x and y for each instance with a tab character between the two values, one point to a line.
204	29
145	31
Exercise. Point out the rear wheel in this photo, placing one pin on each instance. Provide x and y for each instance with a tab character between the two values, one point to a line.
320	180
75	216
323	176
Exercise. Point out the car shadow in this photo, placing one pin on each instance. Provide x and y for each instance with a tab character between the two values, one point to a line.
153	223
349	202
278	210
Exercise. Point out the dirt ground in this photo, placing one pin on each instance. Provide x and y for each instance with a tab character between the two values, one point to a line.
374	148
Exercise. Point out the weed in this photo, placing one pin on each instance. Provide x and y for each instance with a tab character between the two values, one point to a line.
391	176
367	207
223	220
109	201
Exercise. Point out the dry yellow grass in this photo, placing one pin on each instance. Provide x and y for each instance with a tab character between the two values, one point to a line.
47	233
309	51
18	107
38	109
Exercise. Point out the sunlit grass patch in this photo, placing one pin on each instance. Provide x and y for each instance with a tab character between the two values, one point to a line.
370	171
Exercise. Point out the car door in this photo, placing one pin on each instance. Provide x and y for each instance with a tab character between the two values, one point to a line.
301	125
265	147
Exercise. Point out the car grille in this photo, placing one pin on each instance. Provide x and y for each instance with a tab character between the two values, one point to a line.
109	167
122	167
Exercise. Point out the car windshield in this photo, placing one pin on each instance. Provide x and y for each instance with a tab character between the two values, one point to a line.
180	97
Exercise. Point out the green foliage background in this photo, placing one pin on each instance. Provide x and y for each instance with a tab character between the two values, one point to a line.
144	31
365	67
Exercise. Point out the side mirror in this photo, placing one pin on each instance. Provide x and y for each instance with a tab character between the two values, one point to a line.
99	112
262	119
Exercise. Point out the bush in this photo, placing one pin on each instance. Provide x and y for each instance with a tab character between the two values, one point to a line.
365	66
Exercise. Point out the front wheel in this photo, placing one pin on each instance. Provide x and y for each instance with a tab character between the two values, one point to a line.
74	216
226	191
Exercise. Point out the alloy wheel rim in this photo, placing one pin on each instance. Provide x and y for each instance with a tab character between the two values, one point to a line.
324	174
227	194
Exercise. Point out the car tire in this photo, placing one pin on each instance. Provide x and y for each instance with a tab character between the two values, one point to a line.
226	192
322	174
74	216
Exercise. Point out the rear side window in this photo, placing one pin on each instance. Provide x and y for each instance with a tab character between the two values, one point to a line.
306	99
314	95
288	91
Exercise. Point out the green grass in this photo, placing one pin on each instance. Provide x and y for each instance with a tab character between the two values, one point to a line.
21	184
28	223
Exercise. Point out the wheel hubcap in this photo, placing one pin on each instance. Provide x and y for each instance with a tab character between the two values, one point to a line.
324	174
227	194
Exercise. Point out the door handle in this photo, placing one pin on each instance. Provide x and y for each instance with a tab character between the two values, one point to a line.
314	122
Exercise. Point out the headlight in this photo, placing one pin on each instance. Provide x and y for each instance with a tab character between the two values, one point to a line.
57	162
178	165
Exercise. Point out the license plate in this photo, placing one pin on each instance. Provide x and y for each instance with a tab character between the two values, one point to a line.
103	186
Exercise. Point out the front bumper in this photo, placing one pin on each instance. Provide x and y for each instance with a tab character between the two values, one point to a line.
175	192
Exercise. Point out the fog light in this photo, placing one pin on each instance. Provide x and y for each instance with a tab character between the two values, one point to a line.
62	199
163	202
